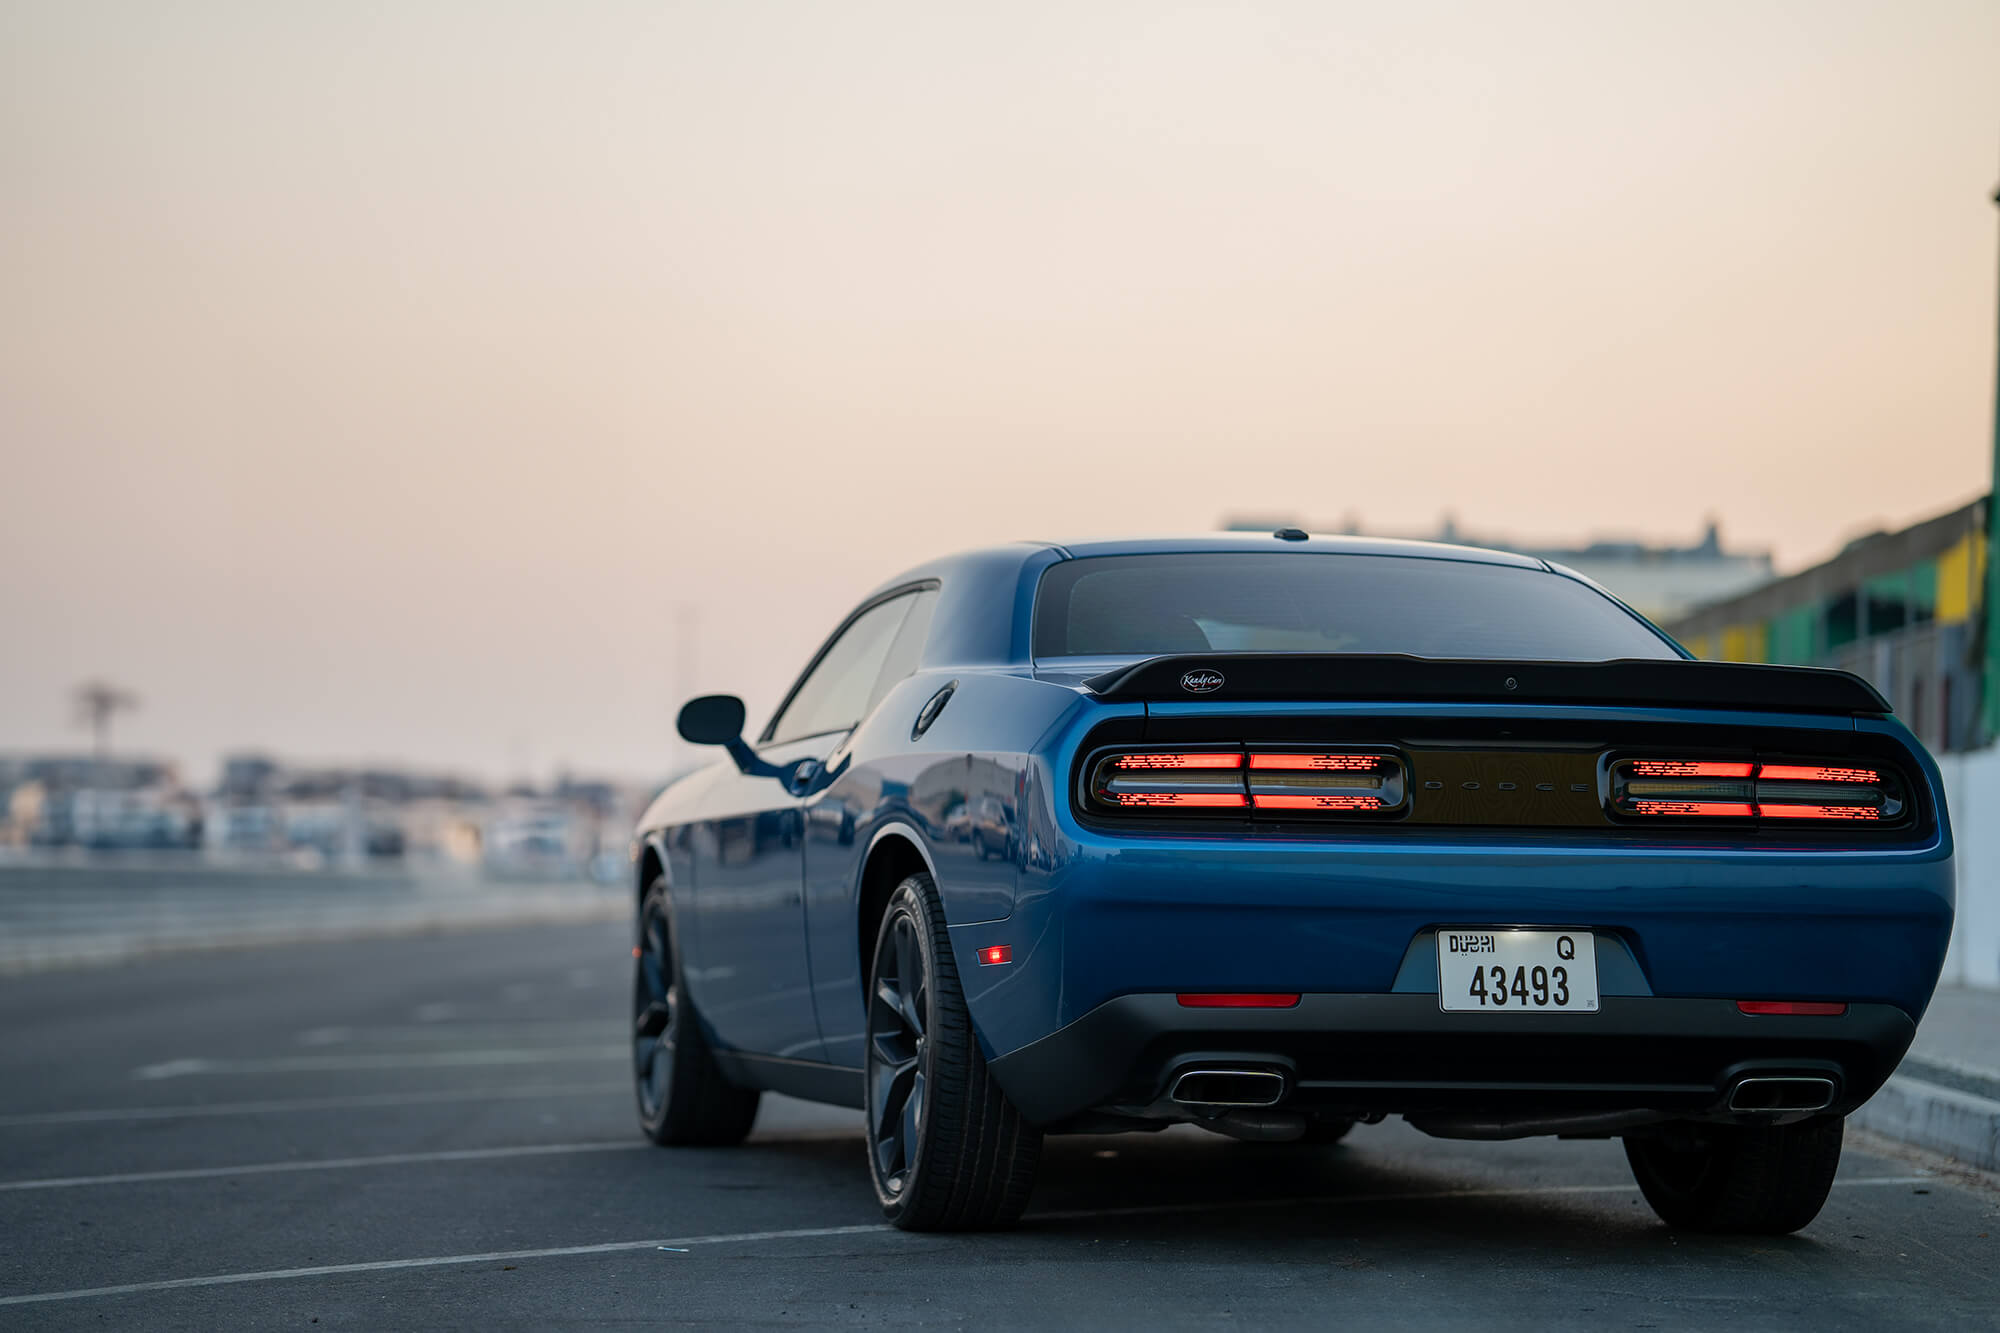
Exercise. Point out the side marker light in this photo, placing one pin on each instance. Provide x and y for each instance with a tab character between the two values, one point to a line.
996	953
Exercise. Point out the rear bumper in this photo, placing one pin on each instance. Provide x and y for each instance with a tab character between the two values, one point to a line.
1137	916
1346	1054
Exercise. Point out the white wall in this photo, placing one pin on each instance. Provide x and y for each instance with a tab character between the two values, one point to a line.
1972	786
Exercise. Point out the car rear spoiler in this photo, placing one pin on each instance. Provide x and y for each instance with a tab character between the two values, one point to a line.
1232	677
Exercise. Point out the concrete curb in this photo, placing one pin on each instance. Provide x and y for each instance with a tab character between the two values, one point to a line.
1962	1125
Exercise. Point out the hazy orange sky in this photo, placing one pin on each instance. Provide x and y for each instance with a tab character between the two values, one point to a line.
375	380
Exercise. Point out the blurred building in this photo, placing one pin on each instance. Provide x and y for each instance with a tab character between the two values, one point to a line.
1902	609
332	815
69	800
1660	581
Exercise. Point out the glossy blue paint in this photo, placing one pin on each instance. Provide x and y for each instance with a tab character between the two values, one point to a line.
748	970
957	795
776	954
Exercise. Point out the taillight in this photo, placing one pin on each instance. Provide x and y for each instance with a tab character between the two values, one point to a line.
1320	783
1190	780
1733	789
1313	783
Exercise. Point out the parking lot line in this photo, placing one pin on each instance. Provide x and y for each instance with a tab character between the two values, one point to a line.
811	1233
358	1101
300	1064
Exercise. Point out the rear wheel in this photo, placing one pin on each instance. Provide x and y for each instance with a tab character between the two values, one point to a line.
1752	1179
683	1097
946	1150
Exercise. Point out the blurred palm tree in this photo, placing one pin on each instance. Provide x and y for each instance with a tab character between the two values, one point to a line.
96	703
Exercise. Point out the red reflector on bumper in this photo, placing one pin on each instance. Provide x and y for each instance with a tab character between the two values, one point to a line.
1237	1001
1796	1008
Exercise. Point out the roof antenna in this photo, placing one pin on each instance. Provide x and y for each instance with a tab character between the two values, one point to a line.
1290	534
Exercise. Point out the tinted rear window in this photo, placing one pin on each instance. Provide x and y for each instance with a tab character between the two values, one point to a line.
1247	602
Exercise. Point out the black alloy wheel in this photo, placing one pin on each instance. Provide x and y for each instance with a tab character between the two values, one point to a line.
898	1067
946	1150
1749	1179
683	1097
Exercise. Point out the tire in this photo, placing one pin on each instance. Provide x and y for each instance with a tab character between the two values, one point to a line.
1765	1180
946	1150
683	1097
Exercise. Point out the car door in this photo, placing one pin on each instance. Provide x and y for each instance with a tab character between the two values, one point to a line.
754	982
836	824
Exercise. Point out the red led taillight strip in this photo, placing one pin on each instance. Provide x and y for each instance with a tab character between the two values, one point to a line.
1819	812
1684	768
1211	799
1804	773
1291	802
1319	763
1138	762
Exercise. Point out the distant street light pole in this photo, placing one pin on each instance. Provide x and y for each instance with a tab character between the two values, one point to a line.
687	622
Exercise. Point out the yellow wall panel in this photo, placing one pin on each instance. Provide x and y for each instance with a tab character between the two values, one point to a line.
1744	643
1955	584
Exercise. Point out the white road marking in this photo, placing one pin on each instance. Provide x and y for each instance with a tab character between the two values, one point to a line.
100	1115
390	1265
294	1064
531	1032
815	1233
323	1164
386	1159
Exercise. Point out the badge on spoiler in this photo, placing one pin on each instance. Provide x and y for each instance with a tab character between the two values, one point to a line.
1201	682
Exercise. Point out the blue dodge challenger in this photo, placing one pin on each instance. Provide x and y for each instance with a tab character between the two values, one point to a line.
1277	834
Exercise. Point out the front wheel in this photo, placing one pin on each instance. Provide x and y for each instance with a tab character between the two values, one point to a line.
946	1150
1752	1179
683	1097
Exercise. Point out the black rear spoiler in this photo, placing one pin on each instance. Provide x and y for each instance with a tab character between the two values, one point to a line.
1233	677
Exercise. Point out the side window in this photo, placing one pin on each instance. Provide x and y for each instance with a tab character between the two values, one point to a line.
907	650
835	693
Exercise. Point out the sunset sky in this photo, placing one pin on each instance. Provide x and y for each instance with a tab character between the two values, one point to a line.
377	380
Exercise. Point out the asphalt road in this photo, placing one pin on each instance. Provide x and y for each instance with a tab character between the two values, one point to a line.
436	1131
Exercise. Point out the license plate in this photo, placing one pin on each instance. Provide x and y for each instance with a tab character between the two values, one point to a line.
1496	971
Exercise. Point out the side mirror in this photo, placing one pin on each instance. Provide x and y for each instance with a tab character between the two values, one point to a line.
717	719
713	719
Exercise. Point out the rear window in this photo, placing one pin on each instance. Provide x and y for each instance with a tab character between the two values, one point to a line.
1248	602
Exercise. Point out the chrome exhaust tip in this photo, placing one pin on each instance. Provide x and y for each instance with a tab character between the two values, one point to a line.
1781	1094
1228	1087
